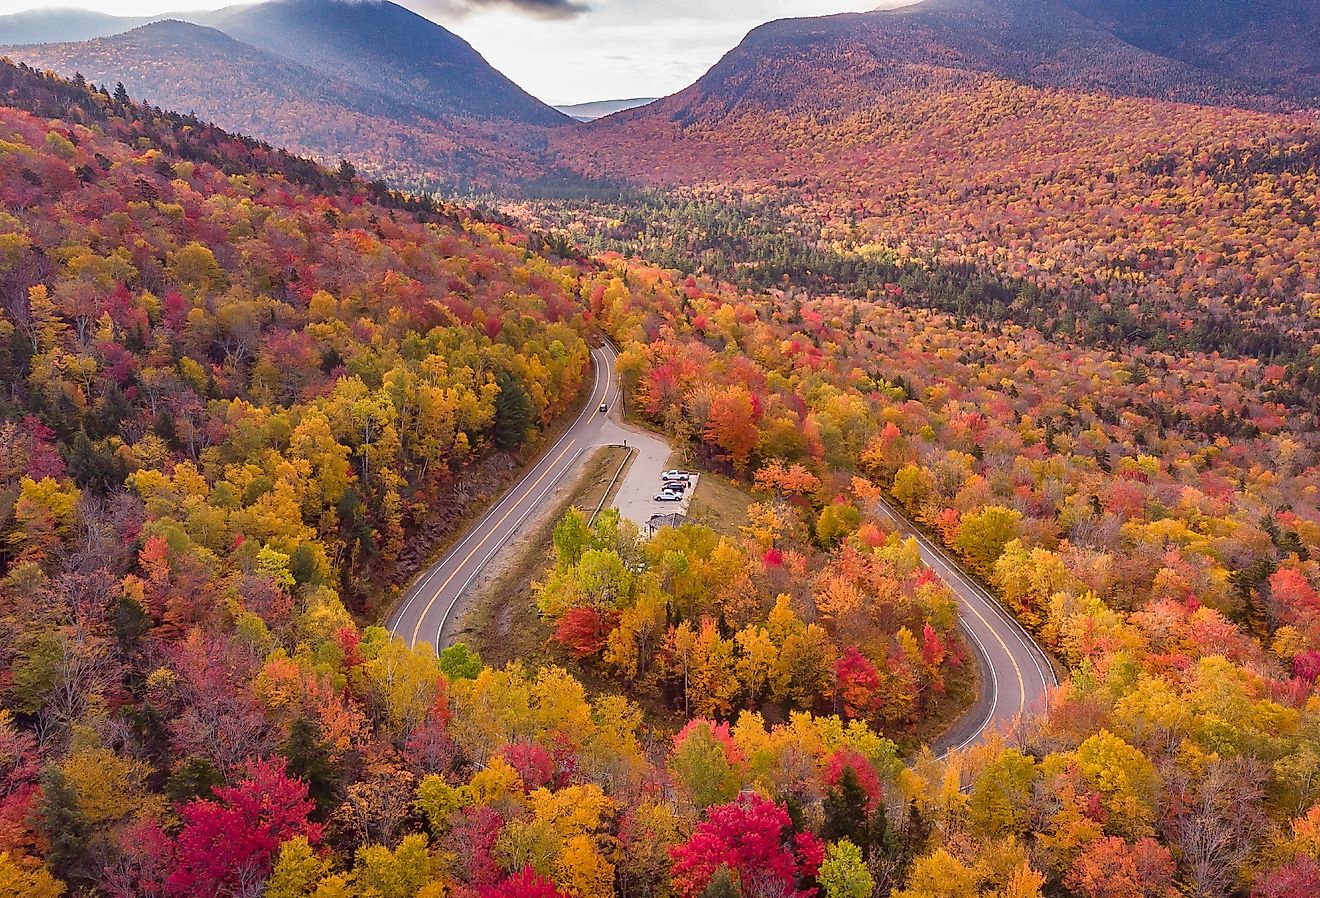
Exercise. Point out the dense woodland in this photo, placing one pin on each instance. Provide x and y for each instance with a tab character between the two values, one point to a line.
234	392
1204	213
240	383
755	244
1167	556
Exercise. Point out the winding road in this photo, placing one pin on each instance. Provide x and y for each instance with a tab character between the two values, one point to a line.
426	612
1016	674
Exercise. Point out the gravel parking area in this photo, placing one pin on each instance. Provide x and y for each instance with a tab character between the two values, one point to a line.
635	498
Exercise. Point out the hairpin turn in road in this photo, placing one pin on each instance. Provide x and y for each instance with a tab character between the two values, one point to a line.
1016	673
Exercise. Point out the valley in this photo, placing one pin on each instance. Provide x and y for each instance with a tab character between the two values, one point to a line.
984	332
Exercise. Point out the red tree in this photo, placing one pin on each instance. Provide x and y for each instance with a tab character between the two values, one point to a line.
858	681
1299	878
524	884
228	845
1111	868
583	630
753	837
534	763
851	759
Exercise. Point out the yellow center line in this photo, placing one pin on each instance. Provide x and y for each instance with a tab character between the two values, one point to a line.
609	379
1022	689
935	555
489	533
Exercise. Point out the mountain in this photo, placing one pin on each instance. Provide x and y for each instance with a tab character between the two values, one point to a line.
1045	43
1015	135
180	65
1273	43
589	112
189	67
368	80
383	47
42	26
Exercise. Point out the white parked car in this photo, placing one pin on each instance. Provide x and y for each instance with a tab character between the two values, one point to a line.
668	496
676	475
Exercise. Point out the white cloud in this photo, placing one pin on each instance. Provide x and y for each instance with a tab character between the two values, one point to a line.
623	48
568	51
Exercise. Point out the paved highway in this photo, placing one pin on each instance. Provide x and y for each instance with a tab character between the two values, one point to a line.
427	611
1016	674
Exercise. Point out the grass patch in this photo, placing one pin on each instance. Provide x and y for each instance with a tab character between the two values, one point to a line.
720	504
503	623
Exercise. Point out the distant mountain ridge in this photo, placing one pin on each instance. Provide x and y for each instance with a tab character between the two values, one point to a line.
589	112
201	70
158	62
1273	43
48	26
374	44
1046	43
366	80
384	47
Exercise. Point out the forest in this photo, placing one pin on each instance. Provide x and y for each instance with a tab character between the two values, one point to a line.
1168	560
753	243
242	384
1198	213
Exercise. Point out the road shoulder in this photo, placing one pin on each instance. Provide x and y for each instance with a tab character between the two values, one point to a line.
497	614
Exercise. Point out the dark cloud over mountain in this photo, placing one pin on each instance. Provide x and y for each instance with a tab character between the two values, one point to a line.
545	9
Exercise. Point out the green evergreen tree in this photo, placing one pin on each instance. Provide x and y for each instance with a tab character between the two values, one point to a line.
56	816
845	812
121	94
196	777
308	758
881	836
513	412
723	884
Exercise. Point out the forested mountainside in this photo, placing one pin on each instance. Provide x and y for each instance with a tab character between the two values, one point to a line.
237	291
1270	43
384	48
238	384
1168	561
1043	43
183	66
1176	211
394	92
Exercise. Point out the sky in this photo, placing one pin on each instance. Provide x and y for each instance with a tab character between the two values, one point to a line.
571	51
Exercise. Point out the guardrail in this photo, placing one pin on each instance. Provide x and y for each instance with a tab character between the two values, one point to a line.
615	479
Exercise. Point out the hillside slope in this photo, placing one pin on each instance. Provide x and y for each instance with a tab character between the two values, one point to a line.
1041	146
1043	43
179	65
388	49
1272	43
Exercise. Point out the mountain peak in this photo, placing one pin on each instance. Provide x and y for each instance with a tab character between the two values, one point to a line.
385	47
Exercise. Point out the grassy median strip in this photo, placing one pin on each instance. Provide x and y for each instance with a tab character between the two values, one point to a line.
503	623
